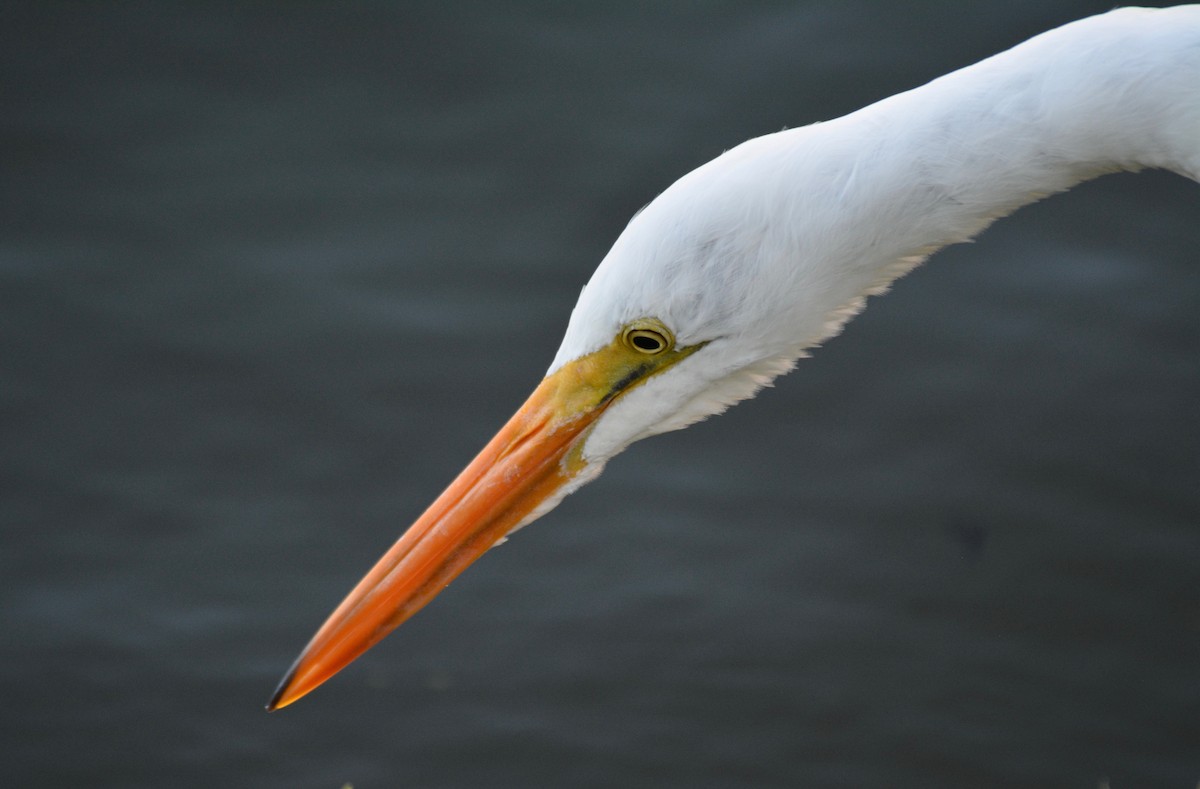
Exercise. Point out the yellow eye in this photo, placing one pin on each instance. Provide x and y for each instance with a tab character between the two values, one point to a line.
648	336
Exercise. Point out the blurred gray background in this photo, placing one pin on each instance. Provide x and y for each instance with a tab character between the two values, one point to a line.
270	274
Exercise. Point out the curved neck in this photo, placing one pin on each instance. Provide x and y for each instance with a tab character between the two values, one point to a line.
934	166
1120	91
798	227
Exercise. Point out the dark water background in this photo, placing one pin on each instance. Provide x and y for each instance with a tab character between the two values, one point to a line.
270	274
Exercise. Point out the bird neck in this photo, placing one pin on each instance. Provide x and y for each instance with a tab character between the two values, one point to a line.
771	247
938	164
1120	91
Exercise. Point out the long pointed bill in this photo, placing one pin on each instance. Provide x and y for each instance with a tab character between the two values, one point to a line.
520	475
520	469
529	465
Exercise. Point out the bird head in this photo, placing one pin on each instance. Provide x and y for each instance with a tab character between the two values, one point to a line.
686	315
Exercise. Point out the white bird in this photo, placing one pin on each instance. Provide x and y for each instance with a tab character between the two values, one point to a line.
726	279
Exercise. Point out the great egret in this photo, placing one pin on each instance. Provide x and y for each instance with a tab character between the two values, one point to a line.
722	282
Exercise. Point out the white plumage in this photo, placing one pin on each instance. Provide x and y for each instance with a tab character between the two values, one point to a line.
767	250
739	267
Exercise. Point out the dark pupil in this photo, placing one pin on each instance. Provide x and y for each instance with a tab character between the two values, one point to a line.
646	343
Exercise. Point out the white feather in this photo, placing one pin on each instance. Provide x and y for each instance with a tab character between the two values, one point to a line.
769	249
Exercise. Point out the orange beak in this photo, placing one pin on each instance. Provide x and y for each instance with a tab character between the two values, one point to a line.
517	477
519	469
520	475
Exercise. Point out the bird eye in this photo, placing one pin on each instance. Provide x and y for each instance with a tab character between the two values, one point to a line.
648	336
